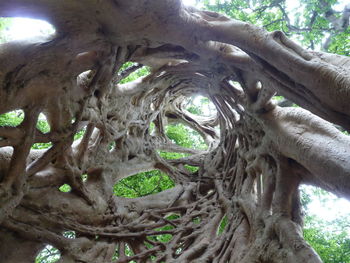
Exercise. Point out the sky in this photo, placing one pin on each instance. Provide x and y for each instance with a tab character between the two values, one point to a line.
189	2
24	28
328	209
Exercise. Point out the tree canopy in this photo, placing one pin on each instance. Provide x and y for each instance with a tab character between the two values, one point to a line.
105	157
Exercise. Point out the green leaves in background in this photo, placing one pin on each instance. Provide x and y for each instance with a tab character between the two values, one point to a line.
306	21
184	136
141	72
143	184
4	25
330	239
333	246
48	255
13	118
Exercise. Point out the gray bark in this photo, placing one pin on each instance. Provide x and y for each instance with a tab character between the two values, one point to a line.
250	173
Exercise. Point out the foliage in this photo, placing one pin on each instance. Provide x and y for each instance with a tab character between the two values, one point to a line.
65	188
172	155
51	254
185	136
141	72
40	146
143	184
191	168
13	118
43	126
164	238
329	238
4	24
48	255
332	246
79	134
341	43
199	105
222	225
308	22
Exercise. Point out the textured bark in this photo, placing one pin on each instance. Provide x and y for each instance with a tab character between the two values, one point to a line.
250	173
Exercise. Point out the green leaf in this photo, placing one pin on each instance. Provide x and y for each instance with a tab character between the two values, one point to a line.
65	188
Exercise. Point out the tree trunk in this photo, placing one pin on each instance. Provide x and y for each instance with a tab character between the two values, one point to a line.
14	248
249	176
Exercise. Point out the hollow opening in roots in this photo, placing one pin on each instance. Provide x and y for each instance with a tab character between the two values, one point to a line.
143	184
130	71
80	133
162	231
124	249
19	28
69	234
48	254
222	225
172	155
200	105
185	136
65	188
164	236
84	177
42	126
12	118
283	102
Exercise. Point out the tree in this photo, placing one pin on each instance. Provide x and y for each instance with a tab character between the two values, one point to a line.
4	23
248	177
333	247
315	24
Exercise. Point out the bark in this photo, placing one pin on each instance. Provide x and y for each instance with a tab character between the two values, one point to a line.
249	175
